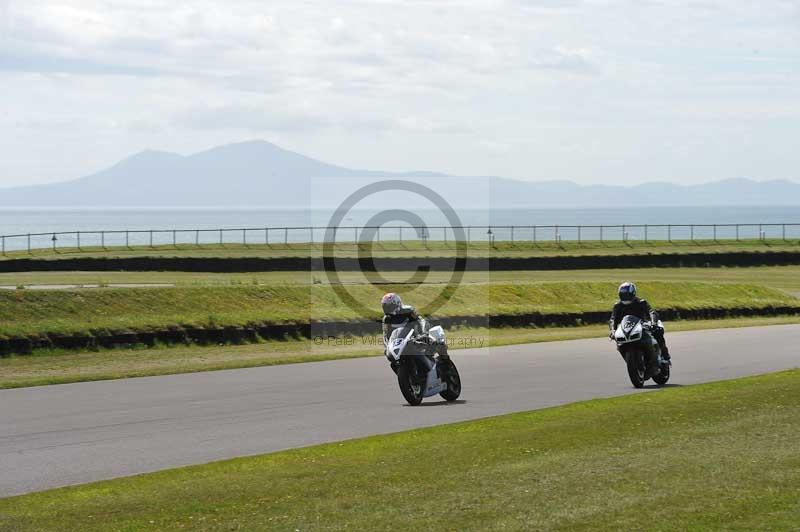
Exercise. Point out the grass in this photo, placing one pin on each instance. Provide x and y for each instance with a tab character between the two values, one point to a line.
61	367
717	456
786	278
30	313
521	248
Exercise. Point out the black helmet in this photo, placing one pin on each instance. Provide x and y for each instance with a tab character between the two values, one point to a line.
391	303
627	292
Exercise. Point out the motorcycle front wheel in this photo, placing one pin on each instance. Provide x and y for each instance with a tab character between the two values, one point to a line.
636	368
453	380
409	387
662	378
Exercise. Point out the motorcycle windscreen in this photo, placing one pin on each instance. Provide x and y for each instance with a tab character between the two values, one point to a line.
399	333
631	327
396	339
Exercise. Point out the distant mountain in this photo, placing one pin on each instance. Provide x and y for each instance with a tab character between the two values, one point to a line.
258	173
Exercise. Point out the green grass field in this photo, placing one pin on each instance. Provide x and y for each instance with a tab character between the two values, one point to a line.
410	248
47	367
32	312
718	456
786	278
235	299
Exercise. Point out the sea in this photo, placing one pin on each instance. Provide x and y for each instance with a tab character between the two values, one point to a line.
254	225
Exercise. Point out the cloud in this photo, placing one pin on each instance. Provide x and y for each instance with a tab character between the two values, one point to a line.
52	63
258	119
443	84
272	118
560	58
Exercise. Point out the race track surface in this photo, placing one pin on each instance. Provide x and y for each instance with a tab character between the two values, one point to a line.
59	435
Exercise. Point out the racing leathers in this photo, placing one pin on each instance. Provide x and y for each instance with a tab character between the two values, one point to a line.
406	315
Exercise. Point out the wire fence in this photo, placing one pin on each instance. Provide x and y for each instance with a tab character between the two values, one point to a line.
285	236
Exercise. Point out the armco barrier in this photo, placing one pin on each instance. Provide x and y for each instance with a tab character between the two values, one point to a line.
302	264
266	331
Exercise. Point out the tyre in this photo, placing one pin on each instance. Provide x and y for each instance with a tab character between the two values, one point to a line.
409	386
635	362
453	380
662	378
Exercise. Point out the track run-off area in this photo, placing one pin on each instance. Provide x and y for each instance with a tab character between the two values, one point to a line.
68	434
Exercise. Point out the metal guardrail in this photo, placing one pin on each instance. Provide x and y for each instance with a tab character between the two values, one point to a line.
315	235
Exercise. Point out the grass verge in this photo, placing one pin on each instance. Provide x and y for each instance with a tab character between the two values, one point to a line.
28	313
783	277
714	456
56	367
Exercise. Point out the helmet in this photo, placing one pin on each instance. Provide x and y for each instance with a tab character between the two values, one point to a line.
391	303
627	292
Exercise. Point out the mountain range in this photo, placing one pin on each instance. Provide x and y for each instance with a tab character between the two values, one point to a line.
258	173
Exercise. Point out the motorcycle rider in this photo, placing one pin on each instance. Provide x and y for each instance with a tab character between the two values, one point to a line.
397	315
630	304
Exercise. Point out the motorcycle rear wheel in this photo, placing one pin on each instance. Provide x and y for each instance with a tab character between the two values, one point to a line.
453	380
406	380
636	368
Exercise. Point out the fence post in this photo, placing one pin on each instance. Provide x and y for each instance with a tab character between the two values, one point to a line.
4	245
311	232
669	233
244	237
151	238
29	243
355	235
761	235
400	233
691	232
266	236
715	232
285	236
103	239
645	234
534	235
783	231
79	240
469	234
601	233
624	234
512	234
579	233
737	232
197	238
174	239
555	233
127	239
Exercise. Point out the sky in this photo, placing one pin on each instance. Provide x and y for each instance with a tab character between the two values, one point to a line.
594	91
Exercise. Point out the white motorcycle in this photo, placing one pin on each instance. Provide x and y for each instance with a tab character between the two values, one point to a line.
421	371
630	338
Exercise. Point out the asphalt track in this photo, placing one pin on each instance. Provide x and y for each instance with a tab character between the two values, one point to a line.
68	434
